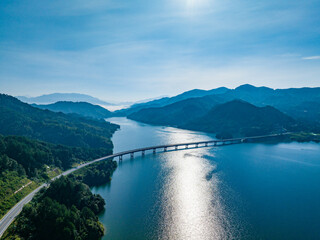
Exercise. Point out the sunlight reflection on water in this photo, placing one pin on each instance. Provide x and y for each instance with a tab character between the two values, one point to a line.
191	204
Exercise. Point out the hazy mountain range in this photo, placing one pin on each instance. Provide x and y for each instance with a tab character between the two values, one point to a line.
299	103
80	108
56	97
245	110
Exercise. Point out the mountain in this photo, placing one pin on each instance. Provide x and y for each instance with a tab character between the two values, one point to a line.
56	97
18	118
286	100
299	103
195	93
82	108
176	113
240	118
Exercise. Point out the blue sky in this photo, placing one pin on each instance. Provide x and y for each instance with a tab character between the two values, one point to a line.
131	50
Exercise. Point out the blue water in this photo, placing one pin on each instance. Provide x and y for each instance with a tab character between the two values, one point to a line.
245	191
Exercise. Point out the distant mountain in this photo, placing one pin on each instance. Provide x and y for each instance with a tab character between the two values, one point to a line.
176	113
81	108
166	100
295	102
56	97
240	118
18	118
149	99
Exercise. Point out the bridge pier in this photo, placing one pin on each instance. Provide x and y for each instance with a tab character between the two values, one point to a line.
154	151
197	145
187	146
206	144
120	157
165	149
142	153
176	147
131	155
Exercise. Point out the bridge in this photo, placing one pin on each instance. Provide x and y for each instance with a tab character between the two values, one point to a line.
187	145
13	213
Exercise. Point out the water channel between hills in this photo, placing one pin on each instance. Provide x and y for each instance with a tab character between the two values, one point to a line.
243	191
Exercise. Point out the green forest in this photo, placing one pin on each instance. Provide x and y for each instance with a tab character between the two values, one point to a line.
24	161
18	118
67	210
97	173
38	145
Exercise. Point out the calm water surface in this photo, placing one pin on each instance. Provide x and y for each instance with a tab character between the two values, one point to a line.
245	191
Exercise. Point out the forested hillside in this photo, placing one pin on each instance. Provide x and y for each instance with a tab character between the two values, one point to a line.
299	103
67	210
239	118
19	118
45	143
30	162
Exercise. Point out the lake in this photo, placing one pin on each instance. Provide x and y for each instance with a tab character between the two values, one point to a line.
244	191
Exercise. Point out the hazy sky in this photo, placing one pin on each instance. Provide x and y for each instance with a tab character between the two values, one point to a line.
135	49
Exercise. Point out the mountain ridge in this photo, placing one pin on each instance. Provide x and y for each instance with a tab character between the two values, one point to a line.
56	97
81	108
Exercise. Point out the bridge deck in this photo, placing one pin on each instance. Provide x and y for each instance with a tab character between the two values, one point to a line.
230	141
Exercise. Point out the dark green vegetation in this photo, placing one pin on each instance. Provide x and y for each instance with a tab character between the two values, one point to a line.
300	111
19	118
232	119
97	173
81	108
24	161
67	210
239	118
304	137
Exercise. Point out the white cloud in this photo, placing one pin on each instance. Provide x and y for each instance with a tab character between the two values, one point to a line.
311	58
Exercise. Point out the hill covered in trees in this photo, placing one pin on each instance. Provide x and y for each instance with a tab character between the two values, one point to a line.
234	118
18	118
67	210
239	118
81	108
26	163
299	103
46	143
176	113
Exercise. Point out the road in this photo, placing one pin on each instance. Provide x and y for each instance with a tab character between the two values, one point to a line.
14	212
10	216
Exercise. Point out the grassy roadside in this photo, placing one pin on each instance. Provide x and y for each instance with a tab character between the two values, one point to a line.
14	188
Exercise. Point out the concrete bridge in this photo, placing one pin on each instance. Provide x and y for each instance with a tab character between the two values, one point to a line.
182	146
13	213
